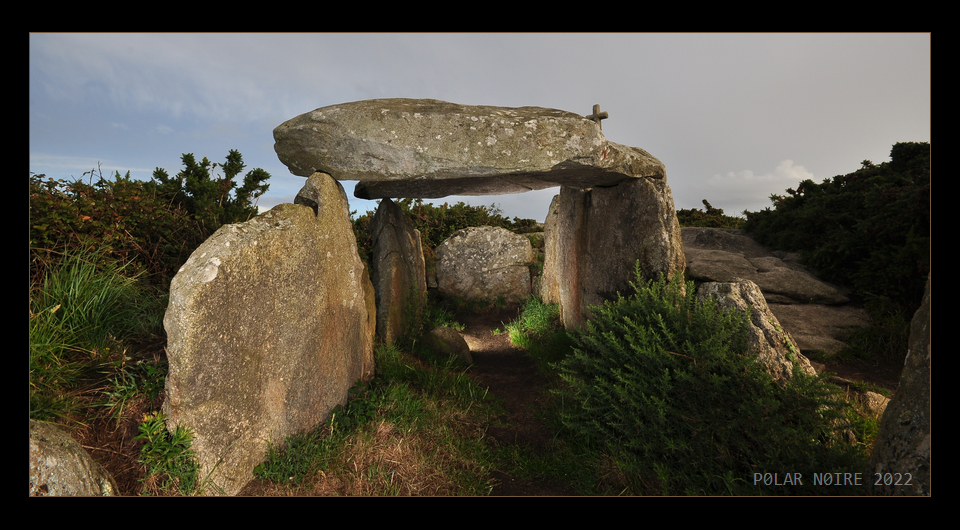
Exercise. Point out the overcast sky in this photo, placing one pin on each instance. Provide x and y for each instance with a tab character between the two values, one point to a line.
734	117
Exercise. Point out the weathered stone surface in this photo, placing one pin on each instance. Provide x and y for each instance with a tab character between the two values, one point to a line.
816	313
902	448
550	281
602	233
268	327
430	149
397	270
720	254
60	467
874	403
818	327
774	347
484	263
446	341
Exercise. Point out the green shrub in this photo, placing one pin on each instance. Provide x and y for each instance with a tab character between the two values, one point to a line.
155	224
169	459
668	386
123	218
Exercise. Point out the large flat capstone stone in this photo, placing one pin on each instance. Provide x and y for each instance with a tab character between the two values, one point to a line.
426	148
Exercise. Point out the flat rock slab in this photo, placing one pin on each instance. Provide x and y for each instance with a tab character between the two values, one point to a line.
428	148
816	314
723	255
820	327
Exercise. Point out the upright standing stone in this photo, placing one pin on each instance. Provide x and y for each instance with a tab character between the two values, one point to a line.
268	327
485	262
603	232
550	282
774	347
398	270
901	454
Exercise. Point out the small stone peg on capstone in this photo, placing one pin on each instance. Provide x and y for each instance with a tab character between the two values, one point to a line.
597	115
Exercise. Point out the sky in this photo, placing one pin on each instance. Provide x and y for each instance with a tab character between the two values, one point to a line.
734	117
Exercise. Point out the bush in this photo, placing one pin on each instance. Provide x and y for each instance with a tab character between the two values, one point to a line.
869	230
711	218
155	224
668	386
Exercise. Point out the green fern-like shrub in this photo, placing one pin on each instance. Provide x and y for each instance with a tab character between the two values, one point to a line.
668	386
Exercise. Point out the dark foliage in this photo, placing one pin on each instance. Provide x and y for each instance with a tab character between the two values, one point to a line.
711	218
869	230
155	224
668	386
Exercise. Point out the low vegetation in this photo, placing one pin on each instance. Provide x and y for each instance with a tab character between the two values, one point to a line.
84	315
667	386
416	429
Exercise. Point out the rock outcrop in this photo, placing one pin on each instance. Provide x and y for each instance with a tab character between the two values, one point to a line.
817	313
774	347
901	453
397	270
60	467
428	148
601	234
269	324
720	254
484	263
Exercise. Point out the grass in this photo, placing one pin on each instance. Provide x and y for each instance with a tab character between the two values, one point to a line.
81	317
87	317
416	429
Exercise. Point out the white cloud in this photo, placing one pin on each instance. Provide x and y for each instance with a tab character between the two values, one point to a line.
77	166
785	173
746	190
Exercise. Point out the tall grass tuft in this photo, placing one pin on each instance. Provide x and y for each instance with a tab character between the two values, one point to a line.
80	314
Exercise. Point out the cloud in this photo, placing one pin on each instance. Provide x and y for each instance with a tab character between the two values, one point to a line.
77	166
785	172
746	190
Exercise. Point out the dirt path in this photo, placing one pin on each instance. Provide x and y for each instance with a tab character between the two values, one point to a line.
512	376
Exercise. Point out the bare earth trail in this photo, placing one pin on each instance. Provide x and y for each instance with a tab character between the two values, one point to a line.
512	376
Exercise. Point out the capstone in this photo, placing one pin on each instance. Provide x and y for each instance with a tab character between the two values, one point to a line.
429	149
